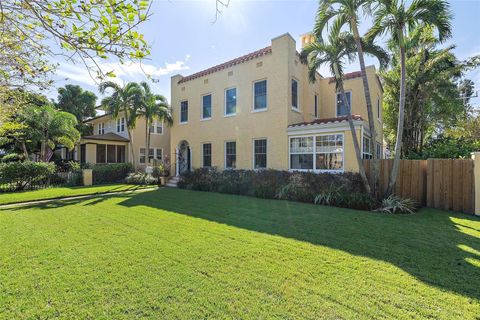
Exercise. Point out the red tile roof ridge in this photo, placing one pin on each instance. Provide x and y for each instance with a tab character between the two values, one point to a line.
228	64
347	76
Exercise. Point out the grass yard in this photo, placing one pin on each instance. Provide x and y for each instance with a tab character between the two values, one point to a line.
60	192
176	254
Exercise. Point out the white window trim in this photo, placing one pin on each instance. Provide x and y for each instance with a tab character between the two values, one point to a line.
253	153
180	112
364	136
155	153
155	125
225	154
225	102
140	155
314	152
351	102
101	128
297	109
120	124
211	154
253	96
201	107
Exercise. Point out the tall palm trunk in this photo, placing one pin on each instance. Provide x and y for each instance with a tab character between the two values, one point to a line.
401	118
371	118
132	152
25	151
356	146
147	138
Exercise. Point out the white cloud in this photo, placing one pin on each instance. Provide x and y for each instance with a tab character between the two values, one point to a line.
129	71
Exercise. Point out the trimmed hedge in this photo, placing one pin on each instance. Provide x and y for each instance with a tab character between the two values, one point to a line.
274	184
17	176
110	173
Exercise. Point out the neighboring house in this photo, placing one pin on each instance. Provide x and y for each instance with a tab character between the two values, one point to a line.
110	143
260	111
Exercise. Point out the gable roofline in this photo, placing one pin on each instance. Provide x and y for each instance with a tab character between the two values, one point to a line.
228	64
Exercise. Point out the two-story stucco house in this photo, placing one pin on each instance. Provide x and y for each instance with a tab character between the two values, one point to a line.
261	111
110	142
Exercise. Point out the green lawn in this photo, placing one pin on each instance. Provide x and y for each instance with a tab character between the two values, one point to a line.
175	254
52	193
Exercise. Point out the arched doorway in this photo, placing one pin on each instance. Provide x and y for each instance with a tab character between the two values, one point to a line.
183	157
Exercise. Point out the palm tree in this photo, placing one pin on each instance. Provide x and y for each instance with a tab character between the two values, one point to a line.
50	127
154	106
333	53
394	18
126	99
345	12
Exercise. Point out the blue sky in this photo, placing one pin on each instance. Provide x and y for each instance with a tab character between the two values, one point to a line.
184	40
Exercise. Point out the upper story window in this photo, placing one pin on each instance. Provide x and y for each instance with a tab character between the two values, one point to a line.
230	101
315	106
342	108
379	107
121	125
156	127
184	111
101	128
366	148
260	95
207	106
294	94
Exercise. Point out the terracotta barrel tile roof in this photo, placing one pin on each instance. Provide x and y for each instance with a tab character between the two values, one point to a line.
347	76
326	120
228	64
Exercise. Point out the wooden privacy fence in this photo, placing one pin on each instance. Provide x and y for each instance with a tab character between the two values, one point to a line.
437	183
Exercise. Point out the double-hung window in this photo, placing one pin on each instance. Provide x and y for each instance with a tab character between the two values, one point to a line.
121	125
230	101
379	151
379	107
329	152
184	111
294	89
260	95
260	154
159	153
318	153
142	155
366	148
156	127
207	154
230	155
101	128
207	106
301	153
342	108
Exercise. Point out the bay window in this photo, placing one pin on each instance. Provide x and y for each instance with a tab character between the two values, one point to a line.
366	149
317	153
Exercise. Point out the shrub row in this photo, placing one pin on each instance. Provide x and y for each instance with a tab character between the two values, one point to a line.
110	173
344	190
17	176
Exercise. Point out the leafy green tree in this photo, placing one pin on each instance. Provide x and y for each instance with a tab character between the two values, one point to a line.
14	135
154	107
81	103
126	100
50	127
395	18
346	12
333	54
435	99
83	30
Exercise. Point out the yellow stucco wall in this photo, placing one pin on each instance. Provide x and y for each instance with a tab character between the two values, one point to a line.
278	68
138	136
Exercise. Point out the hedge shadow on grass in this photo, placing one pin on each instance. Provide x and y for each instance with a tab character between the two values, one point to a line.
428	245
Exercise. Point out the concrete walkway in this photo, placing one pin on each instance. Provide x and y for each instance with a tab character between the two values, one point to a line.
87	196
